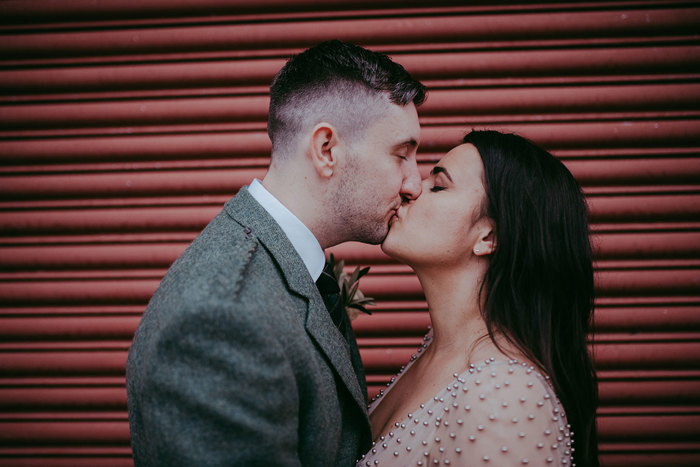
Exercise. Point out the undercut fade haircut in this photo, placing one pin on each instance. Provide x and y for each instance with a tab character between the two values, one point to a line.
338	83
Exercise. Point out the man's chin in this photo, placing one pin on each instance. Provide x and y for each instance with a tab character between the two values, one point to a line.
374	237
378	240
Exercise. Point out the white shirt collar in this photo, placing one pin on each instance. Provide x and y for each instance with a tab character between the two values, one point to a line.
301	237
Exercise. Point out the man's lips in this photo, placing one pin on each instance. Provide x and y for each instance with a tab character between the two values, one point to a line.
393	215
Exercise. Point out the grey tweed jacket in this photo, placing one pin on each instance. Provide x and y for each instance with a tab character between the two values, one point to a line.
237	362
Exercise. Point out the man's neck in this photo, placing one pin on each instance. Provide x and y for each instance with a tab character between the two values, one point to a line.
301	237
302	201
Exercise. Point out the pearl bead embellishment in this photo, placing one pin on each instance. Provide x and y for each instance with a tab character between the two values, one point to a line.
484	405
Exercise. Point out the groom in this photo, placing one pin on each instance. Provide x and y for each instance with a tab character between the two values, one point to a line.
237	361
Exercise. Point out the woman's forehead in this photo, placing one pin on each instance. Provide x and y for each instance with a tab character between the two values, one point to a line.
463	163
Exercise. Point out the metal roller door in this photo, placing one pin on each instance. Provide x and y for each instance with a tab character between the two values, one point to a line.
124	127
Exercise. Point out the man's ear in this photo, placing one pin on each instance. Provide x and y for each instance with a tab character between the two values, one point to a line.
324	149
486	244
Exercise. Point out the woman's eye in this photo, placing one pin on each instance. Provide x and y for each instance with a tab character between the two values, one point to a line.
437	188
405	158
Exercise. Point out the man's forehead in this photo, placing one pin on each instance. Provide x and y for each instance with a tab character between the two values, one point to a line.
398	126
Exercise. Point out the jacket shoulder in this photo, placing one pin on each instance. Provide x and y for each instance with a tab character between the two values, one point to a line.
214	265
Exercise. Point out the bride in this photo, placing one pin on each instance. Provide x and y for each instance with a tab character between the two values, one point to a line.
499	242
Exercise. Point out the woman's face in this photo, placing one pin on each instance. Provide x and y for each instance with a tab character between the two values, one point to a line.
444	225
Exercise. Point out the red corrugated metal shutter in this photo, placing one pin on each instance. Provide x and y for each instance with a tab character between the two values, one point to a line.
124	126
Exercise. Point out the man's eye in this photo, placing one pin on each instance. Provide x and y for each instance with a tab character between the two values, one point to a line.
437	188
405	158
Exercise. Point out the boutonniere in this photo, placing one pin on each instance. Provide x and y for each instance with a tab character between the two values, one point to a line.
351	296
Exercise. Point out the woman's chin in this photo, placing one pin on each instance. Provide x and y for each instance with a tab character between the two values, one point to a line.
391	247
386	247
388	244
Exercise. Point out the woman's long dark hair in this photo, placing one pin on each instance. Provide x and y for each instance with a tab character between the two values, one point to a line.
538	289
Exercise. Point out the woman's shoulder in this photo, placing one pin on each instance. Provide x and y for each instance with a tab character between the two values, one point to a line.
509	410
509	376
511	388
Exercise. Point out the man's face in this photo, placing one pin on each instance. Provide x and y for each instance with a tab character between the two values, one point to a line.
381	169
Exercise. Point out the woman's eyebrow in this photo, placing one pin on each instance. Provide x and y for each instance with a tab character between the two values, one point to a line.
437	169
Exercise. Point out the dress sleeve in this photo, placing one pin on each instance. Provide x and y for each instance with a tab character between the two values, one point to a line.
502	413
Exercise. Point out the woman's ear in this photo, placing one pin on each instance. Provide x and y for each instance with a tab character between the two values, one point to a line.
324	149
486	243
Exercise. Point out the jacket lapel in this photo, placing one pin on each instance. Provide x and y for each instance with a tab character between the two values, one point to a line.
246	211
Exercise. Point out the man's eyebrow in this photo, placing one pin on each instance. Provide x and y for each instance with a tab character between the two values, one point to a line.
412	143
437	169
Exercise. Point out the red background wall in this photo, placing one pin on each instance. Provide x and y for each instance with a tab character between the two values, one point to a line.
124	126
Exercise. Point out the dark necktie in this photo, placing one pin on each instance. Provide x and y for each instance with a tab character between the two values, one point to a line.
330	292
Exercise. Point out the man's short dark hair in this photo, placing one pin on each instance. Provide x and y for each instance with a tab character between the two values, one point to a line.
339	83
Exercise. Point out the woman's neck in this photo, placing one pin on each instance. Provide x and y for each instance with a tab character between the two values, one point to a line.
453	296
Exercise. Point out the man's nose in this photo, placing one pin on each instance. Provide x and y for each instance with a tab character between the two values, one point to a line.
411	187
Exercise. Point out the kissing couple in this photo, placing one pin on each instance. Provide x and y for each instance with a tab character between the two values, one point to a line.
245	355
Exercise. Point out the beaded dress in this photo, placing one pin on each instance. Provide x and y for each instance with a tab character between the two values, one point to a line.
499	412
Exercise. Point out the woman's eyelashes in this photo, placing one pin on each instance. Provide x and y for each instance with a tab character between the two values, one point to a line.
437	188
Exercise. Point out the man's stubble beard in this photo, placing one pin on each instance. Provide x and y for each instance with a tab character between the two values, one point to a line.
356	208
